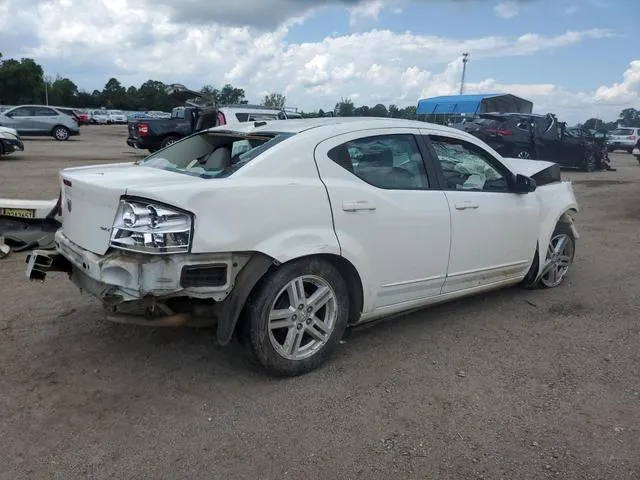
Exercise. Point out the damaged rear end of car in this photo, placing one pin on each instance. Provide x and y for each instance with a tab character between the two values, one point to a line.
126	236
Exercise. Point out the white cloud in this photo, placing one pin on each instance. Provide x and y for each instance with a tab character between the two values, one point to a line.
506	9
92	41
367	10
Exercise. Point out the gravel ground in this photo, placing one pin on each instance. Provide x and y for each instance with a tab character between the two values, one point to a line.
514	384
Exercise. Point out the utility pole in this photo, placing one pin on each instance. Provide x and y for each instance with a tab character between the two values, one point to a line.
465	59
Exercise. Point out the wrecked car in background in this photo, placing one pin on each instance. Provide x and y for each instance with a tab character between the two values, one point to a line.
540	137
285	233
10	141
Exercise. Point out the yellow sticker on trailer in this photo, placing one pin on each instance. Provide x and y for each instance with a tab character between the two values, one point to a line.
18	212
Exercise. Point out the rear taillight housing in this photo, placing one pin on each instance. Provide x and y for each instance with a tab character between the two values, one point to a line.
221	119
143	129
500	132
631	137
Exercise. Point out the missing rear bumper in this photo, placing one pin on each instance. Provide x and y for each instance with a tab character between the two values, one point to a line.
41	262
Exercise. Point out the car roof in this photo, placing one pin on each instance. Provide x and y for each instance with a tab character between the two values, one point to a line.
35	105
511	114
337	125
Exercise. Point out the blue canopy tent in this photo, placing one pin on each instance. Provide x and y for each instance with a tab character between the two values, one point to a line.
471	105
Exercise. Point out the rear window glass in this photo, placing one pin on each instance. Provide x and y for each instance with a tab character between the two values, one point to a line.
622	131
484	121
213	154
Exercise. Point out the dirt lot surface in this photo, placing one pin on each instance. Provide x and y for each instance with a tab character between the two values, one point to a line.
514	384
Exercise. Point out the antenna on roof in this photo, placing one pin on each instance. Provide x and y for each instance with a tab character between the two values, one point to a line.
465	59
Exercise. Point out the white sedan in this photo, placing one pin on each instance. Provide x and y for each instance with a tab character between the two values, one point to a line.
286	233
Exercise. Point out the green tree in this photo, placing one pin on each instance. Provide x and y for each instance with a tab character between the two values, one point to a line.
114	94
344	108
63	92
276	100
21	81
629	117
378	110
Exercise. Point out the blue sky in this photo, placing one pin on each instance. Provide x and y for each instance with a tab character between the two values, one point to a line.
577	58
571	66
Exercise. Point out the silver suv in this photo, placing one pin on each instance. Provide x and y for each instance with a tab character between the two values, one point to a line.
32	120
623	138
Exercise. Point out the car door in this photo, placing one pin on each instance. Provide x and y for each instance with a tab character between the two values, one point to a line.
44	119
493	230
20	118
388	218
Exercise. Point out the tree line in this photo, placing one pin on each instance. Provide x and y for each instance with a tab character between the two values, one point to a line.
23	81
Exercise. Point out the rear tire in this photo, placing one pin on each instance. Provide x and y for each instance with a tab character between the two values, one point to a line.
168	141
297	316
61	133
524	153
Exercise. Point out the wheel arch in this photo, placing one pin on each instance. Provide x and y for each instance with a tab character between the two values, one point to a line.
564	216
257	271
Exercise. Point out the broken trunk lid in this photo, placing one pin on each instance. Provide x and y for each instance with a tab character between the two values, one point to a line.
185	95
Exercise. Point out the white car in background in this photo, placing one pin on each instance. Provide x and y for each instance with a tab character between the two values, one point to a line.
117	117
285	233
623	138
100	117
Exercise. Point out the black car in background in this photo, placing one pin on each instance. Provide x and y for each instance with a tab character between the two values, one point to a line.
541	137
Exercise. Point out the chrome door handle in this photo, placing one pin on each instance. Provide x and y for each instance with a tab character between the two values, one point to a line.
357	206
466	205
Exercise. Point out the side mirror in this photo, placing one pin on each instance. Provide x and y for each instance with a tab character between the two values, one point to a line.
524	184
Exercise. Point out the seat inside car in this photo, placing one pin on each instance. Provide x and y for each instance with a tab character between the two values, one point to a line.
219	159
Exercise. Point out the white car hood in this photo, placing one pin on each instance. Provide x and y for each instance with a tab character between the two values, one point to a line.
526	167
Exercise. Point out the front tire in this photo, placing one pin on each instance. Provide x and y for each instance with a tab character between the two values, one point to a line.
297	316
589	162
559	258
61	133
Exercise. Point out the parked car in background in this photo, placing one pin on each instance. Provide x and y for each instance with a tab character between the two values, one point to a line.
83	117
116	117
99	117
636	152
286	232
10	141
625	138
40	120
73	113
542	137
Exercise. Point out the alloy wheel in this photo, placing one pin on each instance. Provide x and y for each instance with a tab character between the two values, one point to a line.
61	133
302	317
559	258
524	154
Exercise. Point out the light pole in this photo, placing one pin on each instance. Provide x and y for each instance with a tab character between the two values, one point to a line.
465	59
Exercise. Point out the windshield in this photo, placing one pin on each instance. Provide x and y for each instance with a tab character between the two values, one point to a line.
213	154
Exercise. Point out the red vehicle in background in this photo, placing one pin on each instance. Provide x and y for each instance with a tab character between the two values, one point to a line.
83	117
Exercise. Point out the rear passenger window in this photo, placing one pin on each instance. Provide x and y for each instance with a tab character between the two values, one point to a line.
391	162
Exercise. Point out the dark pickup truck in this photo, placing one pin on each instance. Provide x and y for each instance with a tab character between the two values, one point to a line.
199	113
155	133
